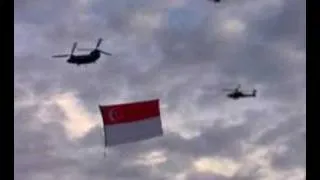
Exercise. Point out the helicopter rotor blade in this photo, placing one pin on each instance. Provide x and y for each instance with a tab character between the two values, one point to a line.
73	47
106	53
61	56
99	42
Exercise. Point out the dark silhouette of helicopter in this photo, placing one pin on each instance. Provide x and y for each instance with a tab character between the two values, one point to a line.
216	1
92	57
236	93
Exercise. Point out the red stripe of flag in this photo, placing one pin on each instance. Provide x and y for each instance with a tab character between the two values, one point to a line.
129	112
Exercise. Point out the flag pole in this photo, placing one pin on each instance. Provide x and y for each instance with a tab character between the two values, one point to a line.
103	135
105	146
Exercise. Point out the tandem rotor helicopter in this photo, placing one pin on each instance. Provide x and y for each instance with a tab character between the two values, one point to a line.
89	58
236	93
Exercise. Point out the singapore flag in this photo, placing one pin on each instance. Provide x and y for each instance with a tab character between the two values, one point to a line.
131	122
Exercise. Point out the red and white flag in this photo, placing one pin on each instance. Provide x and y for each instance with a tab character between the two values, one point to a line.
131	122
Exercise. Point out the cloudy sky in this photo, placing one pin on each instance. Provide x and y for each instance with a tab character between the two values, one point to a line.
180	51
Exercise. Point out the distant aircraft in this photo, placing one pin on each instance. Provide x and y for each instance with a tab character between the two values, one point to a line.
236	93
92	57
216	1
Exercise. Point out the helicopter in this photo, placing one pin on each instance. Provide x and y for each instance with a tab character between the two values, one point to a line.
89	58
216	1
236	93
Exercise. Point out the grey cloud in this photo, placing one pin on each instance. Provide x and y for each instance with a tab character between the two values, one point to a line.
32	11
253	61
205	176
246	173
288	24
289	126
294	156
119	171
93	138
293	130
33	147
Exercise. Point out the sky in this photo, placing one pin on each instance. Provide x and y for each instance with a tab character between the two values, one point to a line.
183	52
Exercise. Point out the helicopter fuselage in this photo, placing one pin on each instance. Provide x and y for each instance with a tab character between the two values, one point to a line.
92	57
237	95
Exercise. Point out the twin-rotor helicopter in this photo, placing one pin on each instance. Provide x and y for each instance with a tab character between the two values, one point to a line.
91	57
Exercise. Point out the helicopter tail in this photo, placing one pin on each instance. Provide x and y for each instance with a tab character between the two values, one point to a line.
254	93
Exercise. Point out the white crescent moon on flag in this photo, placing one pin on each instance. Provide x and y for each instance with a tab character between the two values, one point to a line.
113	115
